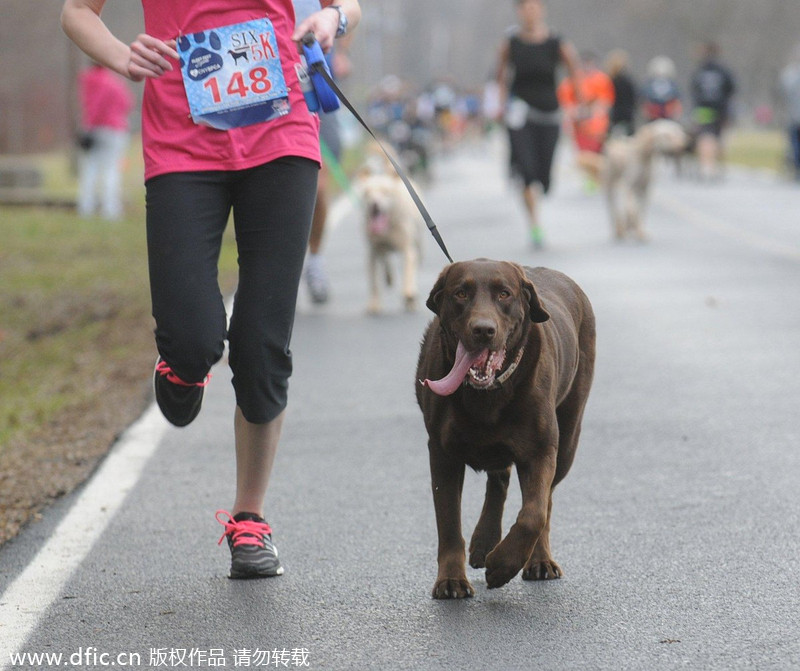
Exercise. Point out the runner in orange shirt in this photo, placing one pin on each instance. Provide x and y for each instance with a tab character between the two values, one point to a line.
589	121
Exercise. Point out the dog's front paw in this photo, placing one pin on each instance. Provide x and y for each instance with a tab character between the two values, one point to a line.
452	588
542	570
499	570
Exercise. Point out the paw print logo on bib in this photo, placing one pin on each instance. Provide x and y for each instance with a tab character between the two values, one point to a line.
233	75
201	61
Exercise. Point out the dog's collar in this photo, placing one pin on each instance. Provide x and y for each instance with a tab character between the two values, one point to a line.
499	381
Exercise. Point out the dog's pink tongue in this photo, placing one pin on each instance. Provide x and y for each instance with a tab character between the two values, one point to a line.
452	381
379	223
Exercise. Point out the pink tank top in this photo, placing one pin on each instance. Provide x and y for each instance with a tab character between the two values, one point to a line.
173	142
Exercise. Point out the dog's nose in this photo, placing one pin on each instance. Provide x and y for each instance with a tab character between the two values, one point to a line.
483	330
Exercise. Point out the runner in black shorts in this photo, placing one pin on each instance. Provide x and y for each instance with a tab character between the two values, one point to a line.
526	77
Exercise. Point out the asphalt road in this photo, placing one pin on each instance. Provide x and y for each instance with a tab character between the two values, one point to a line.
678	527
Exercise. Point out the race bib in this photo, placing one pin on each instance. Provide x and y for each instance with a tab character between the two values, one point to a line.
516	113
233	75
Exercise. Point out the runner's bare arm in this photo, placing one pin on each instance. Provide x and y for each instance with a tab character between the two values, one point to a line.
569	57
145	57
502	76
324	23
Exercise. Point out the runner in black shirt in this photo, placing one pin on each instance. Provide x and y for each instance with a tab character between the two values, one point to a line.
529	60
623	113
712	88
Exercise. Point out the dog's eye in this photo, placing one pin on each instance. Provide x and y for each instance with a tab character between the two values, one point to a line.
504	294
461	294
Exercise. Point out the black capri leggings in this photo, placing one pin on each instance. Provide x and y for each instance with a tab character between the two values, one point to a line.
187	214
532	149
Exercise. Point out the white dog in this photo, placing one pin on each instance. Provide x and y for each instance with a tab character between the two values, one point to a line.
628	170
392	225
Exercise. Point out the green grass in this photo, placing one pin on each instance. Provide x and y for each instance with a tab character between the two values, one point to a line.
74	300
757	148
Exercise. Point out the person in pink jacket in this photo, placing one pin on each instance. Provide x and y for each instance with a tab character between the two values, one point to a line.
106	104
225	128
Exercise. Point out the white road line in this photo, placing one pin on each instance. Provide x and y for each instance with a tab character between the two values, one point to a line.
699	218
27	599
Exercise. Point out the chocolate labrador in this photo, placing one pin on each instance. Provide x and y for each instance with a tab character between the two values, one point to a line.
505	370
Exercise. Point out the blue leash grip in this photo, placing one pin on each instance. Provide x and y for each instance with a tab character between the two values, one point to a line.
307	87
315	59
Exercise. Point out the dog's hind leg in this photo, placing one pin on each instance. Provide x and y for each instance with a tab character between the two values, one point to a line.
489	529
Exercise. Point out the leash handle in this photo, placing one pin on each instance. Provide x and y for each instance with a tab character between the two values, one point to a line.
315	60
319	68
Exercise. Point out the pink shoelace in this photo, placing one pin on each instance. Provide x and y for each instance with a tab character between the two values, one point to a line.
244	532
163	369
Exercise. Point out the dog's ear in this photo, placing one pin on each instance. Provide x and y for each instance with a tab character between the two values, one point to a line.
434	302
537	313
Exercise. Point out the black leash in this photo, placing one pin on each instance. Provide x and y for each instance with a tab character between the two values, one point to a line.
319	68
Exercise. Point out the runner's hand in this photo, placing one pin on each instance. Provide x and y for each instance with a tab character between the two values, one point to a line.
149	57
323	24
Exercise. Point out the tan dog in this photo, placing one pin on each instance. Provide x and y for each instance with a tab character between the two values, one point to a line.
505	369
392	226
628	170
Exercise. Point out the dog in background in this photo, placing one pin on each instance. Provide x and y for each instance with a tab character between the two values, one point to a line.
628	171
504	374
393	226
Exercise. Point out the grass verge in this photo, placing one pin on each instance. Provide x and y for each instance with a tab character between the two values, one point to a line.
762	149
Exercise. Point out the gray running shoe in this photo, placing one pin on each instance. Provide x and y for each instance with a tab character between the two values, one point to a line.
253	554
